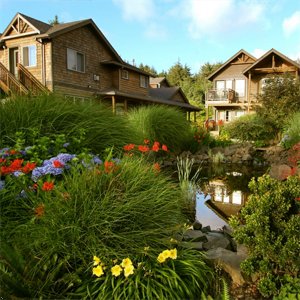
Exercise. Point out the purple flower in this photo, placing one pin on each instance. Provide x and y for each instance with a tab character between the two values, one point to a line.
96	160
2	184
65	145
18	173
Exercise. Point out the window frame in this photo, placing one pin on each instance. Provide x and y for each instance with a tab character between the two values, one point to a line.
30	58
144	81
75	54
123	76
238	92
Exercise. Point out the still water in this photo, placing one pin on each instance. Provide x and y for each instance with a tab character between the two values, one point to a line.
223	191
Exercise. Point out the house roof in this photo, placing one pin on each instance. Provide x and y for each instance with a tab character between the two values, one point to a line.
114	92
59	29
272	51
159	80
125	65
167	93
242	51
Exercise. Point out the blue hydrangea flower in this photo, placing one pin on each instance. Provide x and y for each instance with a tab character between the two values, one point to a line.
18	173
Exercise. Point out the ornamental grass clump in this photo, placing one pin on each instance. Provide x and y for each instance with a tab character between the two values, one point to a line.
114	209
161	123
49	114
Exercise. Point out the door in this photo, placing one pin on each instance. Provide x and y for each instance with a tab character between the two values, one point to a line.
13	61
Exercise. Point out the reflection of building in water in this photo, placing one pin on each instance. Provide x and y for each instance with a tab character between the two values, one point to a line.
223	202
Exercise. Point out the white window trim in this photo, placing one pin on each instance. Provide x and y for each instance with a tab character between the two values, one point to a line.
70	50
124	74
30	64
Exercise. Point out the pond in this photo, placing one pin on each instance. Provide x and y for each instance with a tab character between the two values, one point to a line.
223	191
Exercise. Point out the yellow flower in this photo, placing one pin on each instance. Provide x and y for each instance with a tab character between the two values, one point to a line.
146	248
98	271
126	262
173	241
163	256
97	260
116	270
128	270
173	253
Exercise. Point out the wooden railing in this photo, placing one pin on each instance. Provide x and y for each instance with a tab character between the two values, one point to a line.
223	95
30	82
10	84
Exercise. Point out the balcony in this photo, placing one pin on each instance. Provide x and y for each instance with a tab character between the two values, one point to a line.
224	96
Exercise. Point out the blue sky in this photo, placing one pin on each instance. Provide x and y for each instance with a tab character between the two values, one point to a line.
160	33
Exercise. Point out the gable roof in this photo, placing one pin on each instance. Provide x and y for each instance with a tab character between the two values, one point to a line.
271	51
159	80
62	28
37	26
167	93
242	51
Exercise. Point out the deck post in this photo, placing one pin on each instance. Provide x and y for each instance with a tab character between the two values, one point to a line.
113	104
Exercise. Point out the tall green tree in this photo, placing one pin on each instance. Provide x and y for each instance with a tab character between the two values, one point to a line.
148	69
178	73
55	21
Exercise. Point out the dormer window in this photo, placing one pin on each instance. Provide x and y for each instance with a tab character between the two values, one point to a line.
144	81
125	74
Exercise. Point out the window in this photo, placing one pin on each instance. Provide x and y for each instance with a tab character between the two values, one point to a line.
75	60
240	87
125	74
144	81
29	56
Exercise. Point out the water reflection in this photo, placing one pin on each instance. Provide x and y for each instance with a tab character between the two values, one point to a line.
223	192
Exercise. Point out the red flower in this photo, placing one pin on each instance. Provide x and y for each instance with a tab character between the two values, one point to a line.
109	166
39	211
48	186
156	168
129	147
58	164
28	167
2	160
35	186
143	148
155	146
164	148
17	164
146	142
297	199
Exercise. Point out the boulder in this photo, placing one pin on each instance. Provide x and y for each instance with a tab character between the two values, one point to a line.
217	240
195	236
280	172
229	262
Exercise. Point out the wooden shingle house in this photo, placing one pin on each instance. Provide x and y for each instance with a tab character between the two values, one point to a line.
74	59
238	82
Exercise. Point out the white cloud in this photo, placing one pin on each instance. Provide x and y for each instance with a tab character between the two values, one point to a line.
258	52
209	17
292	23
140	10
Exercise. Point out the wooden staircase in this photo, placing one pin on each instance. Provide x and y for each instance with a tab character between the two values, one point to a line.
10	84
26	84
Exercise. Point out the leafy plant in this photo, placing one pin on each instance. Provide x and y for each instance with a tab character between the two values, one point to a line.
250	128
161	123
291	131
269	226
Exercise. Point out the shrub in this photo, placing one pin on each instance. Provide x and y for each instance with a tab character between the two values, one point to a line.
161	123
250	128
292	132
94	124
114	211
269	226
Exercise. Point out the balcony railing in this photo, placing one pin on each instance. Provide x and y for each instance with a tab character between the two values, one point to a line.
224	95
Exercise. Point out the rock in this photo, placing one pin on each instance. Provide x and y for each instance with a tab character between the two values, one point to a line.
229	261
206	229
217	240
280	172
192	245
195	236
197	225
